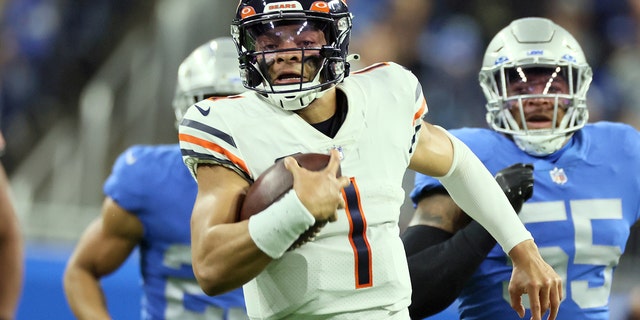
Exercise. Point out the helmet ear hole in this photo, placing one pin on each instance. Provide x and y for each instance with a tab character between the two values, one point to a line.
251	76
248	73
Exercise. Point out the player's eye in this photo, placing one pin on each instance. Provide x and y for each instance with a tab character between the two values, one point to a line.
556	89
517	89
306	44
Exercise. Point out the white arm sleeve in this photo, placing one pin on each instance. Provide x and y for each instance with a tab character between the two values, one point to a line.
478	194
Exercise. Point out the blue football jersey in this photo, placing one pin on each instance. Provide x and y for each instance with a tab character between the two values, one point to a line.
152	183
585	198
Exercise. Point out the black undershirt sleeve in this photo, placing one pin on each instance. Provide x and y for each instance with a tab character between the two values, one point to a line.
441	263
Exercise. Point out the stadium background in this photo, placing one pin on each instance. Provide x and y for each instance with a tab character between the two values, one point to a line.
82	80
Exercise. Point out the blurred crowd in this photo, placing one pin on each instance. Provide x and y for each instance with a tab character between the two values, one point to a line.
443	43
49	49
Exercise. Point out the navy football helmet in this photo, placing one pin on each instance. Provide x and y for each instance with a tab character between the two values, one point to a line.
311	37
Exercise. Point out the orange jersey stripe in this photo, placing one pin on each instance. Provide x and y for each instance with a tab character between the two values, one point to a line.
418	114
370	68
216	98
214	147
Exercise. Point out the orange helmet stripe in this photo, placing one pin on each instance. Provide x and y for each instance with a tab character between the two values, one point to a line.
320	6
247	12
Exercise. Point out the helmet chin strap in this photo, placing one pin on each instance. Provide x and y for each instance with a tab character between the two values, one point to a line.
296	100
541	145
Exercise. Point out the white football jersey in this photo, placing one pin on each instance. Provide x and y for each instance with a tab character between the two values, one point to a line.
356	268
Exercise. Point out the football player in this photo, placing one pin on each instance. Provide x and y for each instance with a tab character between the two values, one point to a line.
302	99
535	77
148	204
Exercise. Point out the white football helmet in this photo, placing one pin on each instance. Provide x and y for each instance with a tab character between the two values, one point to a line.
541	44
210	70
257	20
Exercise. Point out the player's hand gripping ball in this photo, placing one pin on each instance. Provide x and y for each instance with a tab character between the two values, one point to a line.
275	182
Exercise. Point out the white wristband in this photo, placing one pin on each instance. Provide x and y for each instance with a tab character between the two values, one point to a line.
277	227
477	193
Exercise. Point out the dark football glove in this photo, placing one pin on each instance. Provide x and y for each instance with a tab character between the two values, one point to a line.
516	182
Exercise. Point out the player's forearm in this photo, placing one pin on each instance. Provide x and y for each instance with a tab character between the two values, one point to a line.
11	252
440	264
11	276
84	295
225	257
477	193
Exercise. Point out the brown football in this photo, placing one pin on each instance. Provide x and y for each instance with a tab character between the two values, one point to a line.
274	182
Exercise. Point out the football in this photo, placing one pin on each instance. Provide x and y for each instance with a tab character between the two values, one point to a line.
274	182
